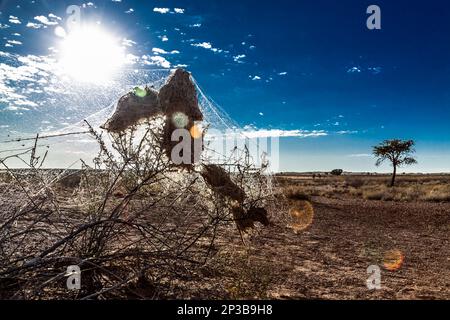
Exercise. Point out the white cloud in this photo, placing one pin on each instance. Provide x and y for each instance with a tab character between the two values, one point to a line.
239	57
206	45
4	26
18	80
164	38
25	103
360	155
354	70
252	133
255	78
282	73
45	20
131	59
16	108
162	51
159	51
34	25
161	10
179	10
128	43
375	70
195	25
15	20
15	42
161	61
54	16
131	10
156	60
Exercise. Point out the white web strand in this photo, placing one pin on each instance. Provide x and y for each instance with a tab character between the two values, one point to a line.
83	146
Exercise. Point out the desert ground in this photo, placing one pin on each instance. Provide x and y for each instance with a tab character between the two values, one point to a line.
326	233
328	258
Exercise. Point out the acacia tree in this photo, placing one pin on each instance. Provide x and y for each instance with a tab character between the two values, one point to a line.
398	152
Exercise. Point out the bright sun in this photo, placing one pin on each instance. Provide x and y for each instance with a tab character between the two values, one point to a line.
90	54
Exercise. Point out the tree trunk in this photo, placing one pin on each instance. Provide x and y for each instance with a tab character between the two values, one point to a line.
394	174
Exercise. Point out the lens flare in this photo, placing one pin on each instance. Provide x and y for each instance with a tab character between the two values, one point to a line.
393	260
139	92
196	131
180	120
60	32
302	214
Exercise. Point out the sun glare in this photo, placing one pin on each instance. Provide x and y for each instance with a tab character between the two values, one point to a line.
90	54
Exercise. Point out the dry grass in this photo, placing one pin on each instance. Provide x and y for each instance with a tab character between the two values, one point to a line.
432	188
296	193
133	222
249	277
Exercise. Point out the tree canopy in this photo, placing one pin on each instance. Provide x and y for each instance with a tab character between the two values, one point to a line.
398	152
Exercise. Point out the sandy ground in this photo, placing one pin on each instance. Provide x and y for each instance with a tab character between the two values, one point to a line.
329	259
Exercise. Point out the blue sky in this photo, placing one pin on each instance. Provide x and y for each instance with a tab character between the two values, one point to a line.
299	66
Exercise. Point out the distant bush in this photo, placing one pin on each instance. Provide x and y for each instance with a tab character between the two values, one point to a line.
337	172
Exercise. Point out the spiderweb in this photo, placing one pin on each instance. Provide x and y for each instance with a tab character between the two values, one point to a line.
35	98
230	164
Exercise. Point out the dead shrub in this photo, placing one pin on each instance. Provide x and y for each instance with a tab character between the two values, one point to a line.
252	277
355	182
374	194
133	219
296	193
439	193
